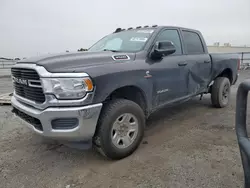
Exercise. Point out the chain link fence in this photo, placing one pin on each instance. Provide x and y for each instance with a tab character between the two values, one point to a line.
245	60
6	64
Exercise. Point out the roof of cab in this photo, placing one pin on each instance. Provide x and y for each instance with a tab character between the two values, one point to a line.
153	27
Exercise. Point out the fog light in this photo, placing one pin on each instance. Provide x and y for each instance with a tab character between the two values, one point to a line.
64	123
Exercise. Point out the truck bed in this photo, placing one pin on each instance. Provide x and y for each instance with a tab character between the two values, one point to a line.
220	62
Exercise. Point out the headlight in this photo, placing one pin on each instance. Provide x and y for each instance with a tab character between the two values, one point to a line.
67	88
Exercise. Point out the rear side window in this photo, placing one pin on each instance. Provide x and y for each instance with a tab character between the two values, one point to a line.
192	43
173	36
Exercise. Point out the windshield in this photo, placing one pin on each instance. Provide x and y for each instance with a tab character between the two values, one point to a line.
124	41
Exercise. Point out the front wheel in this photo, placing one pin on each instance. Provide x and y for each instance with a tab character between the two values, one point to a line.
120	129
220	93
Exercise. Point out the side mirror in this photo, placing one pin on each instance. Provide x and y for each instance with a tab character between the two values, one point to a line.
163	48
241	128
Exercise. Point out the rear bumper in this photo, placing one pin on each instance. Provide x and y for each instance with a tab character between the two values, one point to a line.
84	130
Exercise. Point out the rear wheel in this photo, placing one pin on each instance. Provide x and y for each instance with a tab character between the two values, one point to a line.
120	129
220	93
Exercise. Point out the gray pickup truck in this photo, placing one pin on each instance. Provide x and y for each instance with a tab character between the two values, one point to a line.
104	95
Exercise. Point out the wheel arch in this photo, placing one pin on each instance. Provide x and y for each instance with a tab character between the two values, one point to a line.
130	92
228	73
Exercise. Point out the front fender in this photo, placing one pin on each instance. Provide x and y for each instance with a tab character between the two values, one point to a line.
106	84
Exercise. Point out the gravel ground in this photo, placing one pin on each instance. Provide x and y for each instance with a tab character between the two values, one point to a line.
191	145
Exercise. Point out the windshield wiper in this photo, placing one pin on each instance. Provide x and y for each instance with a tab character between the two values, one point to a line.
111	50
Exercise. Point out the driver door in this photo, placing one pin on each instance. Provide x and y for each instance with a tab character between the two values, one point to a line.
170	73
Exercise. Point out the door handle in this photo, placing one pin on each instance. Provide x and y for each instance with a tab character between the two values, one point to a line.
182	64
207	61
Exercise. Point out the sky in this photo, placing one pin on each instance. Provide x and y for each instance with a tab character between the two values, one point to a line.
36	27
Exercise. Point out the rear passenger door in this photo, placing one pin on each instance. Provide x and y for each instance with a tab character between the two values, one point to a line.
198	62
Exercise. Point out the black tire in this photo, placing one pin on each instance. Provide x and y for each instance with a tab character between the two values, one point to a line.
111	111
219	96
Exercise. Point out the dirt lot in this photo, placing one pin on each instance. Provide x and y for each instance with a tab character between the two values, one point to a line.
192	145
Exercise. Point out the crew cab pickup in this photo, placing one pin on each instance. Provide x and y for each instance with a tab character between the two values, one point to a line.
104	95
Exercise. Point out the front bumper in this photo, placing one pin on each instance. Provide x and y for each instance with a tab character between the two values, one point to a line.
87	117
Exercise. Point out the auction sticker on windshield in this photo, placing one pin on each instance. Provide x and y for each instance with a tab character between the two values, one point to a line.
138	39
145	31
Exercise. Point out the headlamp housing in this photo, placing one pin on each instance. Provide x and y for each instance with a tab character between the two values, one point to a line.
67	88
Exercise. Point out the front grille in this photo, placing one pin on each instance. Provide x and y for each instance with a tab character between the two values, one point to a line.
28	74
32	92
31	120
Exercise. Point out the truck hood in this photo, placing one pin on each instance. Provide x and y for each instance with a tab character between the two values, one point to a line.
72	62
